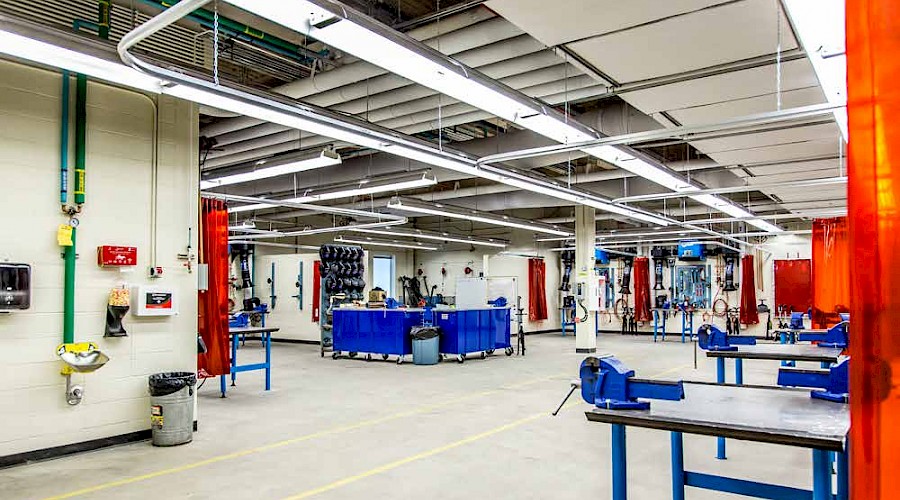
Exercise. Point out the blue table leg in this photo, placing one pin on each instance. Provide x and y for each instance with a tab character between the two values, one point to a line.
268	339
234	346
619	476
677	466
655	324
821	476
222	385
720	379
739	371
843	475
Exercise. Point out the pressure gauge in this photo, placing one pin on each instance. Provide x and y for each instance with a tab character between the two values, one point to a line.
74	222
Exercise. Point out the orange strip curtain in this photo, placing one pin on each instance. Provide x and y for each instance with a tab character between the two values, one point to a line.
873	69
213	303
642	289
830	271
537	290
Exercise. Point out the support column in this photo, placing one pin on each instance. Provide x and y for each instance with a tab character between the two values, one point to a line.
585	242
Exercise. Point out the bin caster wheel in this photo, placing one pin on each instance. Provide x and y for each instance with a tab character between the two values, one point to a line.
352	354
490	351
460	358
483	354
400	360
384	357
334	355
368	357
322	353
509	351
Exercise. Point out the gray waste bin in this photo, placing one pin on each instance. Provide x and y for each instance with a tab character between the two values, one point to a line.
425	345
172	408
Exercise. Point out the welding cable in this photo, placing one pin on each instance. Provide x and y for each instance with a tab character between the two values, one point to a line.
581	303
716	312
624	304
607	315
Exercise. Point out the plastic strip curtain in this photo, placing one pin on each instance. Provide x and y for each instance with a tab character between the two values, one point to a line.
213	303
830	271
873	68
537	290
792	284
642	289
749	314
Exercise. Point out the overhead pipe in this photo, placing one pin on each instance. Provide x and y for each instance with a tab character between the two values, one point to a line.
737	189
541	83
457	34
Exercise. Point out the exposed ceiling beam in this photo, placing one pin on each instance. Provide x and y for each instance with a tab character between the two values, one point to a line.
738	189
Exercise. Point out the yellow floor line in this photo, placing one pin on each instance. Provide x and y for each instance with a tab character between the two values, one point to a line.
441	449
299	439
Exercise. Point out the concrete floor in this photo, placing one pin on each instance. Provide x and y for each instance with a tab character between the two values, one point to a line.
349	429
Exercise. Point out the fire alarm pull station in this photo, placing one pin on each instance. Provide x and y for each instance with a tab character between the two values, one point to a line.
110	255
154	301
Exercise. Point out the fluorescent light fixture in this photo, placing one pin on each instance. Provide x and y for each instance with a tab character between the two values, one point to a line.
362	240
242	226
733	210
428	235
819	25
325	159
379	184
641	168
439	209
48	54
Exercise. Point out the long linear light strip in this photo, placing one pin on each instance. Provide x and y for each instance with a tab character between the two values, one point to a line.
325	159
416	206
384	243
363	187
820	26
427	235
367	39
197	90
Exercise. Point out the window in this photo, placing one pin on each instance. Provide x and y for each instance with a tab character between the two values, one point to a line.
383	273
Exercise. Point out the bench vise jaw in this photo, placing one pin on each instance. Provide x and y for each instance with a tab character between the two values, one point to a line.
836	336
609	384
835	381
711	338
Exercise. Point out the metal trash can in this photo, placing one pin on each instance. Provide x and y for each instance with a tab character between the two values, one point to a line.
426	345
172	408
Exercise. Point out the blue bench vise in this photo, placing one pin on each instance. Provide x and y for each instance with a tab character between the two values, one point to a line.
796	321
835	381
711	338
836	336
608	383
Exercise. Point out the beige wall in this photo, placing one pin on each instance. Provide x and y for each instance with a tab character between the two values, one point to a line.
117	211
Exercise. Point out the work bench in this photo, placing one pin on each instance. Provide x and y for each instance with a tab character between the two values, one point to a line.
780	416
235	334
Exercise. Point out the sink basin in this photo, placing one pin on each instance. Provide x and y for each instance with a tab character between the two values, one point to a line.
82	357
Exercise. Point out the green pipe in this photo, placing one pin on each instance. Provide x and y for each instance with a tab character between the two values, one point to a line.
278	45
103	18
64	142
69	293
80	135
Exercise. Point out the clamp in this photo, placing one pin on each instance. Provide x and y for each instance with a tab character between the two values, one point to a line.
711	338
835	381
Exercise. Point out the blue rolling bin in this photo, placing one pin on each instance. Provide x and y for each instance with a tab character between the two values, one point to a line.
382	332
465	331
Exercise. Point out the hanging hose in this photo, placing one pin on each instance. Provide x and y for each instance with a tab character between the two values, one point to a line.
715	310
624	304
582	320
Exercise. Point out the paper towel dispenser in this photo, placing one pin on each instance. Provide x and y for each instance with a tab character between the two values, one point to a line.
15	286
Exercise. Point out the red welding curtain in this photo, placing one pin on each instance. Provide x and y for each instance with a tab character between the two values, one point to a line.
830	271
213	303
792	284
641	289
873	70
537	290
749	314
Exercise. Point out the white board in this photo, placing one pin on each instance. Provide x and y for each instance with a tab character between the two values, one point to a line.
503	286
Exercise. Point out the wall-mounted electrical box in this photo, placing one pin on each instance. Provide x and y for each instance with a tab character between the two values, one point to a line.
15	286
154	301
588	292
691	250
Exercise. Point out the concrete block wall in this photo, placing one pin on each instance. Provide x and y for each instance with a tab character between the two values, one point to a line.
117	212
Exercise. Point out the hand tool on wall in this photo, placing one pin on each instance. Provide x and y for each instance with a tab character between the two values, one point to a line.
299	285
271	280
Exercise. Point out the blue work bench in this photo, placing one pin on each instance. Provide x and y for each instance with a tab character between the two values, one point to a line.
779	416
236	334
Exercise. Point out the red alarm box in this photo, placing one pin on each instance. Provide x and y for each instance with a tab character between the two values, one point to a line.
108	255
